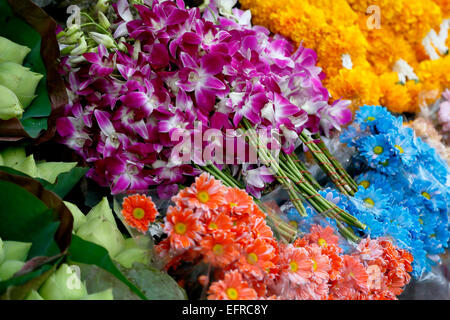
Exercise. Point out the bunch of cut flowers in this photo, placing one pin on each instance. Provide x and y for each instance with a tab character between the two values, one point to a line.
145	86
217	244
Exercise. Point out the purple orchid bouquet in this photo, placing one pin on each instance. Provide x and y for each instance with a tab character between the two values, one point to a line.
161	71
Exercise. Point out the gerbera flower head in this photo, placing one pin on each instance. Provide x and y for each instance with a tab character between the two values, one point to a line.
182	227
257	259
296	266
321	264
139	211
354	276
238	201
232	287
219	249
205	193
322	236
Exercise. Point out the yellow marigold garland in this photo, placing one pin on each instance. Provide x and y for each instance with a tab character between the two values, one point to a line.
340	27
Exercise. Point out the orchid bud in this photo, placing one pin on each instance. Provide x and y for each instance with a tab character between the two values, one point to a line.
103	295
67	50
64	284
34	295
27	166
129	256
9	104
81	48
15	250
9	268
78	217
20	80
102	5
104	39
12	52
13	156
103	20
121	45
104	233
71	30
2	251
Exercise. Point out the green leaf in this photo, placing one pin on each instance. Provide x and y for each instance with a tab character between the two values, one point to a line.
98	279
34	119
64	183
81	251
155	284
23	217
49	171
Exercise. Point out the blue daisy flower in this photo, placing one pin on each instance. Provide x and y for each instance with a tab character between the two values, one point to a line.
402	145
368	116
374	149
373	198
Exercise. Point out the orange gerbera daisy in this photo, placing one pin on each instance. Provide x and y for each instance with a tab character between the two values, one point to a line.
238	201
219	249
218	222
260	229
232	287
322	236
354	275
139	211
296	266
321	264
205	193
257	259
182	228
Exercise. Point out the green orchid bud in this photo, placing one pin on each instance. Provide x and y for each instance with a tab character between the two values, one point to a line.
2	162
12	52
12	156
78	217
20	80
102	5
34	295
2	251
102	232
73	29
49	171
81	48
104	39
121	45
15	250
10	106
102	210
9	268
103	295
27	166
129	256
67	50
64	284
103	20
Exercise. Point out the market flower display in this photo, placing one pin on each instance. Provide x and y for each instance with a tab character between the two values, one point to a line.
354	43
229	234
403	187
178	67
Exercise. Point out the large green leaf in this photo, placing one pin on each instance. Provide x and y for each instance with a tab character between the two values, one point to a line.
23	217
155	284
82	251
64	182
34	119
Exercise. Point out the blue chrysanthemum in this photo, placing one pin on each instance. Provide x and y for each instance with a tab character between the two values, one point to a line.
375	149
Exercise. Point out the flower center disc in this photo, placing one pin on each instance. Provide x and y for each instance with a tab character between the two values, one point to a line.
294	266
378	150
138	213
314	264
180	228
369	202
365	184
322	242
232	293
399	148
426	195
294	224
218	249
370	119
203	196
212	226
252	258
